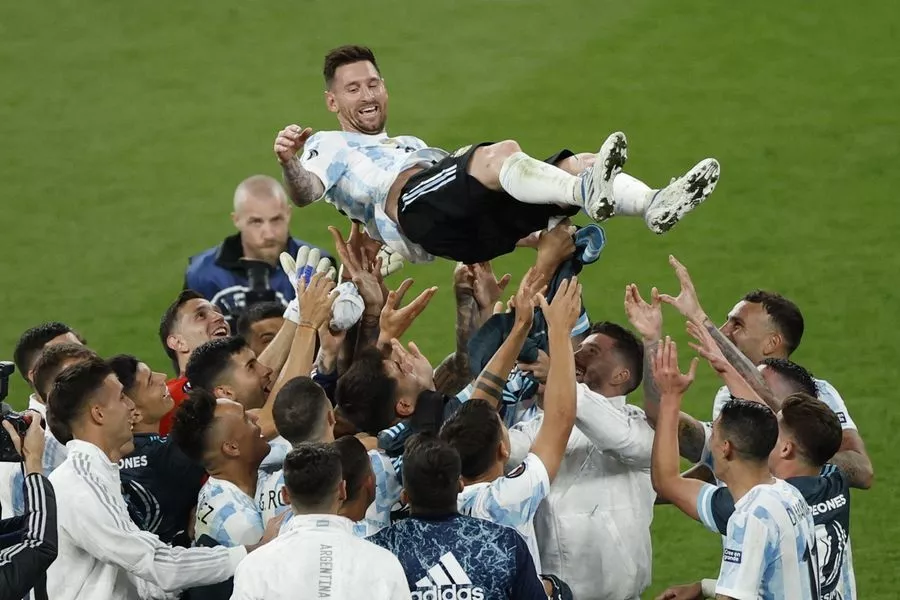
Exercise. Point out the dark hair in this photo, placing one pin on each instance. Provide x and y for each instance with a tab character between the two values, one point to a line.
814	426
346	55
355	464
365	394
629	348
784	313
311	473
798	378
209	362
256	313
192	423
474	432
167	322
30	344
298	410
49	363
751	427
431	471
125	367
70	393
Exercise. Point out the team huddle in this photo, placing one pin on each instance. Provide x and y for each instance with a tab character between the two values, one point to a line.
328	459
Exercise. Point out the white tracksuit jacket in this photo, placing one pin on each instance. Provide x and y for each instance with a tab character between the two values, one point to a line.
318	556
103	554
593	529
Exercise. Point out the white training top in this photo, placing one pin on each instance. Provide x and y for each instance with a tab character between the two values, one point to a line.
317	556
357	171
103	554
770	549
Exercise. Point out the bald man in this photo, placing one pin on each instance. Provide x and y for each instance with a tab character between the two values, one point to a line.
262	215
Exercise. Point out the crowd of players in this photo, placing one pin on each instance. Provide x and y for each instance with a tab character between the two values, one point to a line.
303	451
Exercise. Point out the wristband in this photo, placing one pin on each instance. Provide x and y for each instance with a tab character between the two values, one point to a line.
708	588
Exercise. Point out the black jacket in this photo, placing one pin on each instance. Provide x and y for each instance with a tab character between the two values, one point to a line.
28	544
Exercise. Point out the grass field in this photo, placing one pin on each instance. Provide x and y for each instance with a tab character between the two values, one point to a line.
124	128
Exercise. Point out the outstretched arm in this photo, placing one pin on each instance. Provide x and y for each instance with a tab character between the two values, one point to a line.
303	186
664	469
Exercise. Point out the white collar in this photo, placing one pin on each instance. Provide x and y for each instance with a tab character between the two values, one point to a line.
93	452
36	405
320	522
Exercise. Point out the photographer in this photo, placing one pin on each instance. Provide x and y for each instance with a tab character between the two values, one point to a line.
28	543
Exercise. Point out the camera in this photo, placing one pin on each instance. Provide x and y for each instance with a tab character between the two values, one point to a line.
20	422
258	282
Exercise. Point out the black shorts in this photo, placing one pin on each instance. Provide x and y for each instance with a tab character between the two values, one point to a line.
452	215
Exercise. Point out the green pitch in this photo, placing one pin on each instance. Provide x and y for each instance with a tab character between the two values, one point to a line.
124	128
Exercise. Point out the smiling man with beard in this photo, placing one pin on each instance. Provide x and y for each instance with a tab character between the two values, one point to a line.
473	205
188	323
600	505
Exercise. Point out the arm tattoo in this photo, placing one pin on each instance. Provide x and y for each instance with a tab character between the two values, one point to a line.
691	438
455	369
651	392
855	467
743	365
489	389
303	187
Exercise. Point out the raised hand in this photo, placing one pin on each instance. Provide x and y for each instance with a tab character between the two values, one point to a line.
290	141
557	244
364	271
394	320
309	261
670	381
526	299
486	287
414	363
686	302
316	300
538	369
563	311
646	318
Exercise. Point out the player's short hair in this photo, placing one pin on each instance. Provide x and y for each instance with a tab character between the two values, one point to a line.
311	474
751	427
210	362
70	393
299	410
346	55
50	361
125	367
168	320
627	346
431	471
365	394
355	463
798	378
814	427
32	342
785	314
256	313
474	431
193	420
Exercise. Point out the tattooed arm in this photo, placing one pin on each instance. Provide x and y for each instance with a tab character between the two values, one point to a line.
303	187
454	373
853	460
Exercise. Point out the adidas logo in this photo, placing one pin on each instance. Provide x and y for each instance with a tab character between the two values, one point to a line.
447	581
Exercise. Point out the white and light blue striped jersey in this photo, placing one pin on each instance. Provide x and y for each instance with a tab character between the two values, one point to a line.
827	394
378	515
770	548
228	515
511	500
358	170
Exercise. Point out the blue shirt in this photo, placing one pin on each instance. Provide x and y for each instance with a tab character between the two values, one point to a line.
455	556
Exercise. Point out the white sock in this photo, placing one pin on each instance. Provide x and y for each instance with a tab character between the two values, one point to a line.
632	196
533	181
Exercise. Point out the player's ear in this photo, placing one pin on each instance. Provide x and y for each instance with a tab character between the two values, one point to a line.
331	419
285	496
223	391
235	220
773	342
230	449
460	486
174	342
621	376
404	497
331	101
342	491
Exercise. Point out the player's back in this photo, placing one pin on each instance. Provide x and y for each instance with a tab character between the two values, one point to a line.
770	547
456	556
